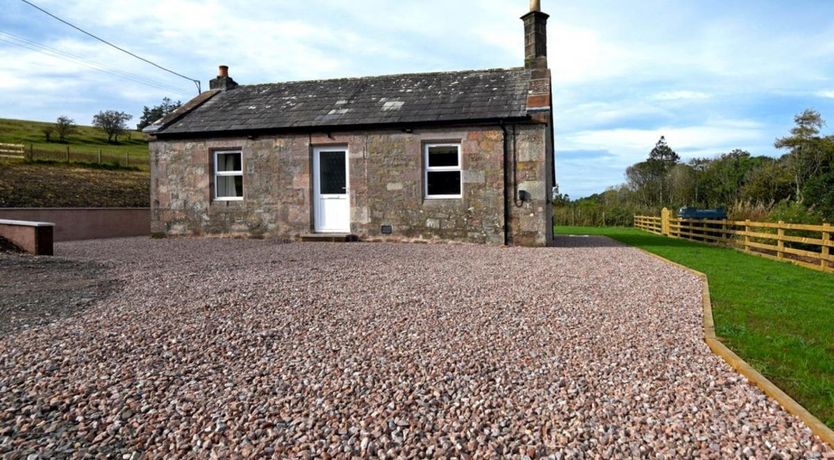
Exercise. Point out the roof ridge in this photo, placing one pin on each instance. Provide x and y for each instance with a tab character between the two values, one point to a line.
449	72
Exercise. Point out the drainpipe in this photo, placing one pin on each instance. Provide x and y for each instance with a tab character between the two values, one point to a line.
507	238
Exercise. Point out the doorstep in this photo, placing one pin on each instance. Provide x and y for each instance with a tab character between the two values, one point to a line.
329	237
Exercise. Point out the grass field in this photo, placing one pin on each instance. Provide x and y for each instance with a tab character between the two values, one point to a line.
777	316
84	145
39	185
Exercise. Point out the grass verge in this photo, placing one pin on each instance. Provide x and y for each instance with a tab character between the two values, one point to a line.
778	317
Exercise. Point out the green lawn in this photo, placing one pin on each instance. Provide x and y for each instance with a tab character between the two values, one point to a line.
84	145
777	316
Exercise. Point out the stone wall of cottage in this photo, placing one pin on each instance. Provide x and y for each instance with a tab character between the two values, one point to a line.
531	220
386	187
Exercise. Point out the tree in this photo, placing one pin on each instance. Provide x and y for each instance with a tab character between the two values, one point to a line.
150	115
806	155
112	122
559	199
47	131
64	126
663	153
642	180
682	185
771	182
661	159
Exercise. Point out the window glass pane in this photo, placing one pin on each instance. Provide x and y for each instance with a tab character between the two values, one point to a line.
228	162
443	182
443	156
332	173
229	186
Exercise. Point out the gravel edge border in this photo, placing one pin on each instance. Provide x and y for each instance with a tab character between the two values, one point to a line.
816	426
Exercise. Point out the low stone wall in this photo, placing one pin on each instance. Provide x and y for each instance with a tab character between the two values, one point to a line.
32	237
87	223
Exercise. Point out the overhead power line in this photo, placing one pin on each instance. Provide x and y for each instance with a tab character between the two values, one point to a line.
195	81
69	57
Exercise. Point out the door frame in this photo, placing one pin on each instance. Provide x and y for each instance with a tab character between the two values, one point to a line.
316	188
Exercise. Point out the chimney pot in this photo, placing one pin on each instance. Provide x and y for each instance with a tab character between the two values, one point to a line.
535	5
223	81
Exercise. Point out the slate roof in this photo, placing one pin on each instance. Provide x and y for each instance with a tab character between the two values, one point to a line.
411	98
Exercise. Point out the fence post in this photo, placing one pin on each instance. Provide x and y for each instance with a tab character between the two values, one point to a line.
747	235
99	156
780	244
826	239
127	159
68	154
664	221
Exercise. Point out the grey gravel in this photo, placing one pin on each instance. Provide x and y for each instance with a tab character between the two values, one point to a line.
235	349
43	289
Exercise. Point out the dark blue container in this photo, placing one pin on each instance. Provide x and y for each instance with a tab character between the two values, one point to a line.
695	213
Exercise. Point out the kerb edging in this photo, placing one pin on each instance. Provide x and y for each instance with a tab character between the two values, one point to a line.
789	404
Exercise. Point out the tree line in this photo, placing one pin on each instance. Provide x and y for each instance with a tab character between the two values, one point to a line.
796	187
112	122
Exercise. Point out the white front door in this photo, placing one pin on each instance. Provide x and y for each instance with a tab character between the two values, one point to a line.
331	194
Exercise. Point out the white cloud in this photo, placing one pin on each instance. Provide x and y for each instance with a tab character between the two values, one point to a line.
633	145
681	95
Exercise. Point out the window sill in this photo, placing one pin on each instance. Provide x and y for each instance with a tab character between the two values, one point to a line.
443	197
228	199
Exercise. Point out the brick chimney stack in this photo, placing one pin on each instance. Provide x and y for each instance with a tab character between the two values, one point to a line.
535	37
223	81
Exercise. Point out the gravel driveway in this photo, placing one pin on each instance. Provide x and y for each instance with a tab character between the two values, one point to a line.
253	348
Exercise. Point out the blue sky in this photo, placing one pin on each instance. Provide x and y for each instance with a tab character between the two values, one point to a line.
709	75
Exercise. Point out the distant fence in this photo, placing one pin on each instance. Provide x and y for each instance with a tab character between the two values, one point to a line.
12	150
87	223
68	153
801	244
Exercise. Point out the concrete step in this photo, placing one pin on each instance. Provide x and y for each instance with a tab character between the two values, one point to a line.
329	237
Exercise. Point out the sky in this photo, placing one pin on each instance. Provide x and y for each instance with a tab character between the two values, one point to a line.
709	75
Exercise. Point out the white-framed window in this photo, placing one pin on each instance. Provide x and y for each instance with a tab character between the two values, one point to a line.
228	175
443	177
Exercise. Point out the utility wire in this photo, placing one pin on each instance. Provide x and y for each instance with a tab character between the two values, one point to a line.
196	82
69	57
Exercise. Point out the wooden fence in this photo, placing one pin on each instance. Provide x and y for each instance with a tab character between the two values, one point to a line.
68	154
806	245
13	150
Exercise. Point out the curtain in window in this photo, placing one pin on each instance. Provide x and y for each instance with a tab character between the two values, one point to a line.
229	186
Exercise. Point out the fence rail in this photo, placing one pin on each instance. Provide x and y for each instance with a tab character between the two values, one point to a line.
802	244
68	153
13	150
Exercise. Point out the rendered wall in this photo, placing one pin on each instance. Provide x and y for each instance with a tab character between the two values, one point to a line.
87	223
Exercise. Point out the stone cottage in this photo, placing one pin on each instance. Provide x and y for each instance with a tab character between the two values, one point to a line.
448	156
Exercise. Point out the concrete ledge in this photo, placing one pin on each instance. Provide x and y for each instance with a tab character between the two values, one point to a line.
26	223
33	237
789	404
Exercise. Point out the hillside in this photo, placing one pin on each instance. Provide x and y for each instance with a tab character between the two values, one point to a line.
84	144
24	184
